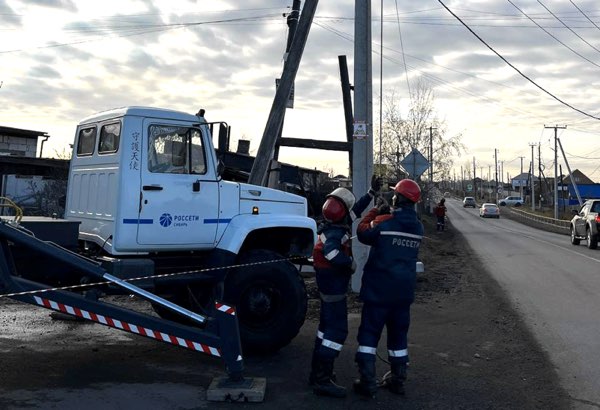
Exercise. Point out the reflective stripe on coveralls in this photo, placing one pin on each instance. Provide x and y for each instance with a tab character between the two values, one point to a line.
332	254
367	350
329	343
344	239
398	353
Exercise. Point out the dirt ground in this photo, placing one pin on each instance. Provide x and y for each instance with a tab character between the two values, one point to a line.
468	347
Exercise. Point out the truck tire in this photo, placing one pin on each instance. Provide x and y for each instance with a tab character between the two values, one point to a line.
592	241
574	239
270	299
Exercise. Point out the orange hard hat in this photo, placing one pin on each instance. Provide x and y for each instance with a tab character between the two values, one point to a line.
408	189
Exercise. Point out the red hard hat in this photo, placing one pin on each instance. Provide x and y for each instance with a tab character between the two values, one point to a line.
334	210
408	189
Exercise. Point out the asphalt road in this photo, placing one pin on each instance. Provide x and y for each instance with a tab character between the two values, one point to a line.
555	287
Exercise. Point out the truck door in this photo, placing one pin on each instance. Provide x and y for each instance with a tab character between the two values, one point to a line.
179	198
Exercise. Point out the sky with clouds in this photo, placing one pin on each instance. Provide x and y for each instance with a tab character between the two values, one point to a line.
62	60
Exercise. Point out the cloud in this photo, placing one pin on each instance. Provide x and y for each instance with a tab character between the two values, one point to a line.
8	18
184	54
44	71
67	5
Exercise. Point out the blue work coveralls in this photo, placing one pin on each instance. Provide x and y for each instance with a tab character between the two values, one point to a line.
388	282
332	260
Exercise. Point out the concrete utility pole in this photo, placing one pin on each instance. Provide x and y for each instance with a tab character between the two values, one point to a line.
496	172
362	151
556	128
363	98
259	172
521	181
474	175
531	175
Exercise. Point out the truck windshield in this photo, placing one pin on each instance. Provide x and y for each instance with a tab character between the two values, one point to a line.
175	150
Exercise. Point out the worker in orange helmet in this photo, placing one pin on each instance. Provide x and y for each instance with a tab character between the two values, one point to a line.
334	265
388	286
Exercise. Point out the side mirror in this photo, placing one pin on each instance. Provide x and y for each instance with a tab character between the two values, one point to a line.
574	212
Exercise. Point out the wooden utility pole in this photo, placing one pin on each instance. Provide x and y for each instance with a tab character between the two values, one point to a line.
431	153
347	99
292	23
258	174
532	176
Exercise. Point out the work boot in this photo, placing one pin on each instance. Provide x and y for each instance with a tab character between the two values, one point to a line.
313	366
367	384
323	385
394	379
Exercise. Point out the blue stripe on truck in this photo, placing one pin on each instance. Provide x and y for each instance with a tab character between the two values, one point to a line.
138	221
217	221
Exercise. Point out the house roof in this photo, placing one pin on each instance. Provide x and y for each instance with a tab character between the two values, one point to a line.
19	132
580	178
524	177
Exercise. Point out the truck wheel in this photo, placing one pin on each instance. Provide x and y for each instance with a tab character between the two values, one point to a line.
270	299
592	242
574	239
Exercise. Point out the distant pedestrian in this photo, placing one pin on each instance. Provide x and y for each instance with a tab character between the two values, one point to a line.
388	286
440	213
334	265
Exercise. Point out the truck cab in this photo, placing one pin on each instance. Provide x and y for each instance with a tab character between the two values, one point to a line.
146	180
146	183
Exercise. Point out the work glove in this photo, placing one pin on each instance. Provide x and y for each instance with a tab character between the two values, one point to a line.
383	207
376	184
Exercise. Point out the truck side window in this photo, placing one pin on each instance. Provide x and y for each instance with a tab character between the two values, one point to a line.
198	161
86	141
175	150
110	135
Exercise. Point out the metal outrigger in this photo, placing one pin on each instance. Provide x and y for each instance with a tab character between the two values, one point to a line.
219	336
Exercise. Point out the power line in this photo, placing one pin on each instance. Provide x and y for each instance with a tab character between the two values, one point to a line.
437	80
402	48
568	28
146	29
554	37
585	15
515	68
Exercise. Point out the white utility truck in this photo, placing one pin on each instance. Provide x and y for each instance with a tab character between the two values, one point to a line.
146	191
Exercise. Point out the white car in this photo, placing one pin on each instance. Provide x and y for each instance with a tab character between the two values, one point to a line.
511	201
489	211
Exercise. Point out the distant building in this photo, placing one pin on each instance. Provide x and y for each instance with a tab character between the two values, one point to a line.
586	187
19	142
579	178
522	180
37	185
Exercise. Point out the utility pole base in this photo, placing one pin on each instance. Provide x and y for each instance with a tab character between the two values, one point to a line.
247	390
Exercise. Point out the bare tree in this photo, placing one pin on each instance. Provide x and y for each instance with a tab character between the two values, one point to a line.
401	135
